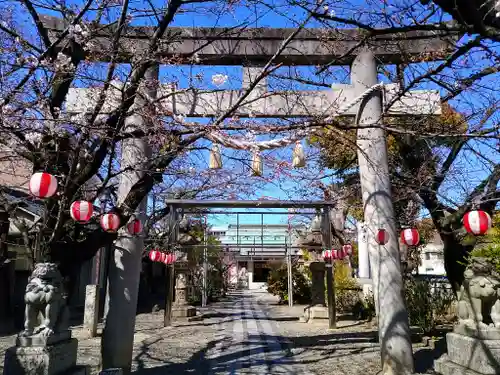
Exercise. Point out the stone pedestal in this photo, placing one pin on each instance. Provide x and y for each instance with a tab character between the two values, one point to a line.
469	356
181	307
53	359
318	309
314	312
318	283
91	314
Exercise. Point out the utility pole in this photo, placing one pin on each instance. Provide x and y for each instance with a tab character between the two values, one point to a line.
330	286
394	332
204	296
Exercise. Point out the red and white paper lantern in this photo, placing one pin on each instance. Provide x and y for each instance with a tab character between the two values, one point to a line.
134	227
339	254
81	211
477	222
347	249
327	254
110	222
382	237
169	258
410	237
155	255
335	254
43	185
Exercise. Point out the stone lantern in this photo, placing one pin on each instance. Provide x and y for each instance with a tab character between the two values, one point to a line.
181	307
317	267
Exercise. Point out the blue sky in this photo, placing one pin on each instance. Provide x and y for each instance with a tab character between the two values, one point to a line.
453	188
260	15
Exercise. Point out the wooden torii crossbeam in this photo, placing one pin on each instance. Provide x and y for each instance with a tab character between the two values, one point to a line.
255	46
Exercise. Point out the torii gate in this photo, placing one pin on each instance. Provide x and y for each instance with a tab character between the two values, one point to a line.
257	46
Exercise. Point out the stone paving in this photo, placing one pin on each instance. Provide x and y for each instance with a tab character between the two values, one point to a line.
248	333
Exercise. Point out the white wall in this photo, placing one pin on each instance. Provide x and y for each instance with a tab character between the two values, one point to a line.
432	260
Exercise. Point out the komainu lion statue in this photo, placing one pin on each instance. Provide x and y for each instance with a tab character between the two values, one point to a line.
479	299
44	296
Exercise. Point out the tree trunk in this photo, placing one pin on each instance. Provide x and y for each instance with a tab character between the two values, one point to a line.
455	260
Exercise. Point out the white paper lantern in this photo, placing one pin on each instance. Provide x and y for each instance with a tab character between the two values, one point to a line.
298	158
215	157
81	211
477	222
43	185
257	164
110	222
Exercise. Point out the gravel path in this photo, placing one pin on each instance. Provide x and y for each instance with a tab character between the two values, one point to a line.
248	333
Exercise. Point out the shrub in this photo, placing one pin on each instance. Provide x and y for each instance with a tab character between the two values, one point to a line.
215	289
364	309
418	300
278	285
347	290
426	305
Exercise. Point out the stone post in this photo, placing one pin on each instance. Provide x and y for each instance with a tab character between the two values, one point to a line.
125	264
394	332
91	313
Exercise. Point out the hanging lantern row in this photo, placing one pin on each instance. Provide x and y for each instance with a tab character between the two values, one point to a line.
347	249
409	236
158	256
298	159
44	185
477	222
340	254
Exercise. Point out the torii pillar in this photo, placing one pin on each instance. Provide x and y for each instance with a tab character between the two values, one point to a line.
125	266
392	316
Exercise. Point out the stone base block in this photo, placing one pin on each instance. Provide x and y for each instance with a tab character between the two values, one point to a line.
314	312
183	311
112	371
38	340
78	370
444	366
486	333
57	359
196	318
481	356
